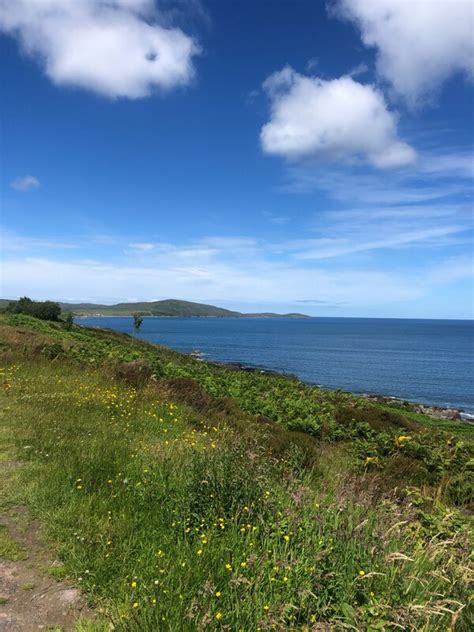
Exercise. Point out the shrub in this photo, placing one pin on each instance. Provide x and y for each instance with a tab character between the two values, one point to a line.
44	310
460	491
53	350
68	321
137	321
135	373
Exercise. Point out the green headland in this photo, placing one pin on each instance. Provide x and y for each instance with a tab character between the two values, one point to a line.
165	308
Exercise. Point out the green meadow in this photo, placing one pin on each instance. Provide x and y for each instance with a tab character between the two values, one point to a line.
181	495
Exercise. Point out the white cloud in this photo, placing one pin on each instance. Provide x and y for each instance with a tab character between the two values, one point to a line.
436	175
452	270
255	271
455	164
25	183
337	247
141	247
420	43
257	282
112	47
331	120
276	219
10	242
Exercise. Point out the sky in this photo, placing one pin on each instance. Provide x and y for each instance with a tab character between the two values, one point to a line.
283	155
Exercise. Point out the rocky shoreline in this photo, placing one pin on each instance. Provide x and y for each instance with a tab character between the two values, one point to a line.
438	412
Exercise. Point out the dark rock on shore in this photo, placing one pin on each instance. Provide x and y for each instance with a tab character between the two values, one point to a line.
450	414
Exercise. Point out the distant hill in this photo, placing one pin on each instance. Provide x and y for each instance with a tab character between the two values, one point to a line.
165	308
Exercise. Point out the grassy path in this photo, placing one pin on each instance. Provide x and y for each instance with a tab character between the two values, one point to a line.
33	592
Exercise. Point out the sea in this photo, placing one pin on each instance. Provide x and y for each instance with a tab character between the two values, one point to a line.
426	361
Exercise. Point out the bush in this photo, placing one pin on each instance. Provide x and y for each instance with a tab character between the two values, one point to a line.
44	310
68	321
53	350
136	373
460	491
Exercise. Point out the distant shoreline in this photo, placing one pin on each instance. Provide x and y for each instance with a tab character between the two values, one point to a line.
300	316
237	317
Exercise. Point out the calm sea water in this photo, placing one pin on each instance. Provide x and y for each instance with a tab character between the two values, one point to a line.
429	361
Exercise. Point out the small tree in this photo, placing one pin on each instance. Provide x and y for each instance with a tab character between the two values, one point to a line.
68	320
137	322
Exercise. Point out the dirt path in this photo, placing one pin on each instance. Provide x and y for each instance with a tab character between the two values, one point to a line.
32	597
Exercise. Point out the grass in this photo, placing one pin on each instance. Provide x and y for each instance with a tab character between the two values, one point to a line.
9	549
184	496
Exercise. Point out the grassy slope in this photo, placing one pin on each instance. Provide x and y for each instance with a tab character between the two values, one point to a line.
207	497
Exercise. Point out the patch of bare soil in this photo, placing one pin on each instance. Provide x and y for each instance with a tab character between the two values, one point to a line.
30	598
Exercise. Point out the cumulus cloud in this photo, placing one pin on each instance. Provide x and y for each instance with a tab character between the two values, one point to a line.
420	43
25	183
112	47
331	120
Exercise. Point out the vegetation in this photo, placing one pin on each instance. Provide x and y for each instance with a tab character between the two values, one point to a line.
137	321
45	310
169	307
183	495
68	320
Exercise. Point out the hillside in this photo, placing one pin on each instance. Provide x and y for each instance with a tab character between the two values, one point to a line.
167	307
182	495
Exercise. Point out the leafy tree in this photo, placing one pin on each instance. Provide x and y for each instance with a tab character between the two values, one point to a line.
137	322
45	310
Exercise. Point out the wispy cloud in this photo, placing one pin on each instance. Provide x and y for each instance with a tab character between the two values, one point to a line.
436	175
316	249
140	247
13	243
25	183
276	219
256	283
208	268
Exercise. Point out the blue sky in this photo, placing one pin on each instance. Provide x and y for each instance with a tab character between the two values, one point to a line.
287	155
